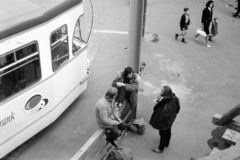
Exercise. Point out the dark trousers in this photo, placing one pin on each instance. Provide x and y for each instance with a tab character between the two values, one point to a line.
114	132
122	95
165	136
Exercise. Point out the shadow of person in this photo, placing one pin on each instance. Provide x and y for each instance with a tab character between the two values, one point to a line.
217	141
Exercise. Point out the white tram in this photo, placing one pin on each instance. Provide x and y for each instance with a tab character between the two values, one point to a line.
43	65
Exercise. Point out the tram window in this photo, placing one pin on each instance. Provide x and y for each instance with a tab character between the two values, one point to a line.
6	60
80	35
19	76
26	51
59	47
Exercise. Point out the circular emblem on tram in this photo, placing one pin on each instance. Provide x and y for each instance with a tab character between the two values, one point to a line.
35	104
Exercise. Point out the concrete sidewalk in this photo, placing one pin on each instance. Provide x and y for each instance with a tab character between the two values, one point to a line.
205	79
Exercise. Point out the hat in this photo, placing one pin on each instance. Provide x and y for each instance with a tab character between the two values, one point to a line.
186	9
111	92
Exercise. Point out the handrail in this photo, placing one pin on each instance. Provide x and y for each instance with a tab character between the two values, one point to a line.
85	78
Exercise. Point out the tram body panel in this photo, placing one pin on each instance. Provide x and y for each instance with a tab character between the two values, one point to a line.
59	65
28	118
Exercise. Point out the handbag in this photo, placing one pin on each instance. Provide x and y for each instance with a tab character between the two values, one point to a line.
201	32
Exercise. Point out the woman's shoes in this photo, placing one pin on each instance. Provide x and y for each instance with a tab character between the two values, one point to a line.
195	37
207	45
156	150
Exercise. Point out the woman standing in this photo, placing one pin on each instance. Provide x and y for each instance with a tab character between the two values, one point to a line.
207	15
164	114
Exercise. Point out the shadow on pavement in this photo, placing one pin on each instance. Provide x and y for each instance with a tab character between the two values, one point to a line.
217	141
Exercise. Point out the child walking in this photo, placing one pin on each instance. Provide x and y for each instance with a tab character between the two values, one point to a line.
184	22
214	29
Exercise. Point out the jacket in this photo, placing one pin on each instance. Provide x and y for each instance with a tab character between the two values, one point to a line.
106	113
183	21
207	16
131	87
165	113
214	29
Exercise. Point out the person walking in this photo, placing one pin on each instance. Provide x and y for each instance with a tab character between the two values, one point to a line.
238	9
214	29
184	22
207	15
164	114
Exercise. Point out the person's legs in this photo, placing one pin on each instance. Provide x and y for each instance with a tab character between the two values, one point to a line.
184	33
163	139
181	34
195	36
120	96
206	29
112	134
115	130
169	133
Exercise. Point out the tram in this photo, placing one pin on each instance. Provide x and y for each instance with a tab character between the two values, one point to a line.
43	65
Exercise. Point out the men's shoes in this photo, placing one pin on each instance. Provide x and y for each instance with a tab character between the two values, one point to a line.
183	40
176	36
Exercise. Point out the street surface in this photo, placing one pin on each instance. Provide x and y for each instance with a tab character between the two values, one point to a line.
206	80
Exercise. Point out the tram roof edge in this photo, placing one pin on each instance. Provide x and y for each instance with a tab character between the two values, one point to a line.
19	15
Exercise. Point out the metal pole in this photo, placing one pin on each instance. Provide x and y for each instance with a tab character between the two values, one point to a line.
144	17
135	37
135	33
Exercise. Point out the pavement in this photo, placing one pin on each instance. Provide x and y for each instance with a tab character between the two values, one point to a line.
206	80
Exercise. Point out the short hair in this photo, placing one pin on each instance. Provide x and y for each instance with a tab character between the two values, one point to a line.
127	71
185	9
111	92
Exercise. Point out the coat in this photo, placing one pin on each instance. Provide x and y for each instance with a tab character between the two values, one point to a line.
106	114
132	87
214	29
165	113
183	23
207	16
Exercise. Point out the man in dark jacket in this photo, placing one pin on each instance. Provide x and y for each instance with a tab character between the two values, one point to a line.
164	114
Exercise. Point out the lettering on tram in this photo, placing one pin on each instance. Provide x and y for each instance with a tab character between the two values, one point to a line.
35	104
7	119
19	69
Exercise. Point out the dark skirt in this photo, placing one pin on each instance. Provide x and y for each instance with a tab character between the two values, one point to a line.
206	28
